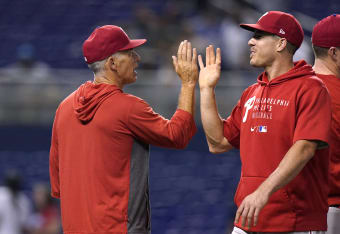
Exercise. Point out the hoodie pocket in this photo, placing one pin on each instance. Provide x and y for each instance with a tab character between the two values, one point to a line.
278	212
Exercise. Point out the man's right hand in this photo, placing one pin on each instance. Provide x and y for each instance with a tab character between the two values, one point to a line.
185	63
210	74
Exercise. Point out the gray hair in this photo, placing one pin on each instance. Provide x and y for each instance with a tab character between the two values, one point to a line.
98	67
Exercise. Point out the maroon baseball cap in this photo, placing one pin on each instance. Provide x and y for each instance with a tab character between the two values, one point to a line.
107	40
326	33
279	23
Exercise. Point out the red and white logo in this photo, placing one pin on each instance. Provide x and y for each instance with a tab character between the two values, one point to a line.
248	105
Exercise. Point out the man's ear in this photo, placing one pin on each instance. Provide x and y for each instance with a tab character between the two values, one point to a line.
282	43
112	63
332	52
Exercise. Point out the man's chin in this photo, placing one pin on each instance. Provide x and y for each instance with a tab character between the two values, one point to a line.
133	80
254	64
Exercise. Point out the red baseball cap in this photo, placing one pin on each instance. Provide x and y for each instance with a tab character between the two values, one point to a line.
326	33
107	40
279	23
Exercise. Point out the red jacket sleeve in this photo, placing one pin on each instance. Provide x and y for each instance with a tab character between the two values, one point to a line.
231	126
154	129
313	116
54	162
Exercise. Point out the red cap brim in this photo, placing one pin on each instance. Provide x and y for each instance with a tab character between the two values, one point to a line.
133	44
253	27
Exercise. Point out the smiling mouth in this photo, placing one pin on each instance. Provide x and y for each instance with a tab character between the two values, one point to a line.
251	54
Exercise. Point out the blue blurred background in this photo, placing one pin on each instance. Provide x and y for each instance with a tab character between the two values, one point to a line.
41	62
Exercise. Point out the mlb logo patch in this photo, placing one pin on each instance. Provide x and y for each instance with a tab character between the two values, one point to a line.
262	128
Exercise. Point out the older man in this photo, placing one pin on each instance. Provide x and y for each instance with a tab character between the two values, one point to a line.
99	157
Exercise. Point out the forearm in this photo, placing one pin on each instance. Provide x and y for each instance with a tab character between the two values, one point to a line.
186	100
212	123
291	165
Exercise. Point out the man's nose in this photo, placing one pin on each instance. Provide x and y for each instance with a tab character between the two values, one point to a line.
251	42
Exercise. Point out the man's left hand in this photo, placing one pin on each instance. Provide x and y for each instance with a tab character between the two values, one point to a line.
250	208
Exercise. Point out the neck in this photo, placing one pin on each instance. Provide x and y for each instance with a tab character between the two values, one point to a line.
278	68
104	79
325	67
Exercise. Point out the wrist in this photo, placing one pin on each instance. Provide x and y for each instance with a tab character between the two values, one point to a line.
207	88
266	188
190	84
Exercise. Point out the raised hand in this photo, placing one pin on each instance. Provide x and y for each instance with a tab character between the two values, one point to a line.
210	74
185	63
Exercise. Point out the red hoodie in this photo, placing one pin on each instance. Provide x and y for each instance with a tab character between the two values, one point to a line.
268	119
99	158
333	85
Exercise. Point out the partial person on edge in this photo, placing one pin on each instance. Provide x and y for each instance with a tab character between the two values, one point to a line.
15	206
326	46
99	156
281	126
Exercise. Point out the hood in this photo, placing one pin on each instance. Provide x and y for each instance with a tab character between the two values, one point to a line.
300	69
89	96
